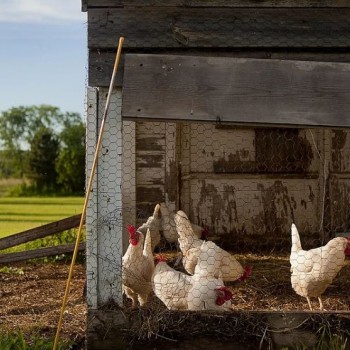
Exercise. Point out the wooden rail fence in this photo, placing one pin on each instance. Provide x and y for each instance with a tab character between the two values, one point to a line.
39	232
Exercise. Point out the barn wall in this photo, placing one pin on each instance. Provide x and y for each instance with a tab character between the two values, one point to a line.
339	180
232	185
224	178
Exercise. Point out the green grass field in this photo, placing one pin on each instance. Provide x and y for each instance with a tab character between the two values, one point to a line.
18	214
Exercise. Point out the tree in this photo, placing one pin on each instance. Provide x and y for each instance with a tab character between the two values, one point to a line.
42	159
18	126
70	164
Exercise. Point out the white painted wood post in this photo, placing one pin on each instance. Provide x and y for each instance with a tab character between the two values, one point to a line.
104	215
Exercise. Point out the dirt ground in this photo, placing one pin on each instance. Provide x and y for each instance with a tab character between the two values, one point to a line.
31	294
31	297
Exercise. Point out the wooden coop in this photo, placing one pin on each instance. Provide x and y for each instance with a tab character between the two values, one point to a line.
236	112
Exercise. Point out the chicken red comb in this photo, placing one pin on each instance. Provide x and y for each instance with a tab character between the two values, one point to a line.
247	272
131	230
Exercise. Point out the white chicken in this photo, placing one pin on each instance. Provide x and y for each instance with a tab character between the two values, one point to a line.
171	286
137	267
169	228
223	263
314	270
152	224
207	292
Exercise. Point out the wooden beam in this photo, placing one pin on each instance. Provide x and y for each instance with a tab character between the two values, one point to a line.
235	90
101	63
84	5
39	253
219	3
40	232
111	328
169	27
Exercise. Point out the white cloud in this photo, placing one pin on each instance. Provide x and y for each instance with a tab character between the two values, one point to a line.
41	11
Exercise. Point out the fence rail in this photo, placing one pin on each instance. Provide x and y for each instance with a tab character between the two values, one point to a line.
36	233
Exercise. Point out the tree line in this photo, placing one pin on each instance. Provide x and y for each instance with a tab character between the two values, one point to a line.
44	145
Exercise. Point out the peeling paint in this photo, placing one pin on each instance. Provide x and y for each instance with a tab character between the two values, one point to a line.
171	181
215	209
340	199
276	150
150	143
338	143
149	194
311	194
277	208
149	160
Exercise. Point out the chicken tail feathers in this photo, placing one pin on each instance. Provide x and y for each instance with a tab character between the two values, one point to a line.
147	249
296	244
156	211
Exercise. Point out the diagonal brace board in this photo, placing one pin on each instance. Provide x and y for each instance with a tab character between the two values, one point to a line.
236	90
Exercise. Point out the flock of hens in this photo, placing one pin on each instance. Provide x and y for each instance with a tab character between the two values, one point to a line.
208	266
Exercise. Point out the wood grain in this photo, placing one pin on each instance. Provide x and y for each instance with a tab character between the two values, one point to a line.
233	90
101	63
39	253
172	27
218	3
40	232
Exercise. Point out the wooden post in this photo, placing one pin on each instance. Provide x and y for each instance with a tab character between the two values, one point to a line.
104	226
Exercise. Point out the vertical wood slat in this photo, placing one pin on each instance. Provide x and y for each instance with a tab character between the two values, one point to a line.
110	225
129	178
150	166
92	209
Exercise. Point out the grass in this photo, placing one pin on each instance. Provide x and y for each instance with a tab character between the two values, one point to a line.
18	341
22	213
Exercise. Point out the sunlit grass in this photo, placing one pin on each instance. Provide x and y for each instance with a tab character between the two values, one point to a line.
23	213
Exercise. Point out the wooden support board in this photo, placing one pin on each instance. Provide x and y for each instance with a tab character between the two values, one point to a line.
101	62
179	27
215	3
236	90
39	253
40	232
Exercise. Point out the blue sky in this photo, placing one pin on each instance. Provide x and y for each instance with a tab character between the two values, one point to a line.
43	54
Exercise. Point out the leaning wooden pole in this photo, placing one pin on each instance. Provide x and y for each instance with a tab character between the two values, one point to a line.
88	190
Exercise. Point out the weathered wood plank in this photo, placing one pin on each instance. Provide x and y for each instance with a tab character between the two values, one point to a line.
84	5
112	329
159	27
40	232
101	63
246	91
39	253
219	3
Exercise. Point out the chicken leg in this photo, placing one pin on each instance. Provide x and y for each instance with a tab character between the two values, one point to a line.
321	305
309	302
